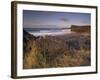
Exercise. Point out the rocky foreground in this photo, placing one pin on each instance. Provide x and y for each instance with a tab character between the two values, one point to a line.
68	50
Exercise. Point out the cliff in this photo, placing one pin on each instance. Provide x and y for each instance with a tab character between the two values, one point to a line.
81	29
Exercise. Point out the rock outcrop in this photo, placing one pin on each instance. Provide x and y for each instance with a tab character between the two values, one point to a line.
81	29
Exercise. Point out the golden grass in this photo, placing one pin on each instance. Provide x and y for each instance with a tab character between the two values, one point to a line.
51	52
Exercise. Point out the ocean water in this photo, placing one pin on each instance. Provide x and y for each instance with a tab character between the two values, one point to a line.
45	31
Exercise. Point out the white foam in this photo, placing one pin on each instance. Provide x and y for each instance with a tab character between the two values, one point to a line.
52	33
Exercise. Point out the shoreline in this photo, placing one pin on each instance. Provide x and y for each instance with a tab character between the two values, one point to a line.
52	33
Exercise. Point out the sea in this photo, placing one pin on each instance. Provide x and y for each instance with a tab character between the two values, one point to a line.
48	31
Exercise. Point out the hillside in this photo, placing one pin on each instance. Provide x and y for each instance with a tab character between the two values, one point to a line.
81	29
55	51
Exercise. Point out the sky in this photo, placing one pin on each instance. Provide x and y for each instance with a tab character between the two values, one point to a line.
50	19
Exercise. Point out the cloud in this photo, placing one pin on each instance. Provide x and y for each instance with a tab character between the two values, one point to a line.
64	19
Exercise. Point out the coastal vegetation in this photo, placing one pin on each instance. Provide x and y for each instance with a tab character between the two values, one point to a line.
68	50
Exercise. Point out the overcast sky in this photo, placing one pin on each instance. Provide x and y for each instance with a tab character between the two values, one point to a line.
48	19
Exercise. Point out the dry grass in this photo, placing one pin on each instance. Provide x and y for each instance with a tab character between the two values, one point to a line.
50	51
